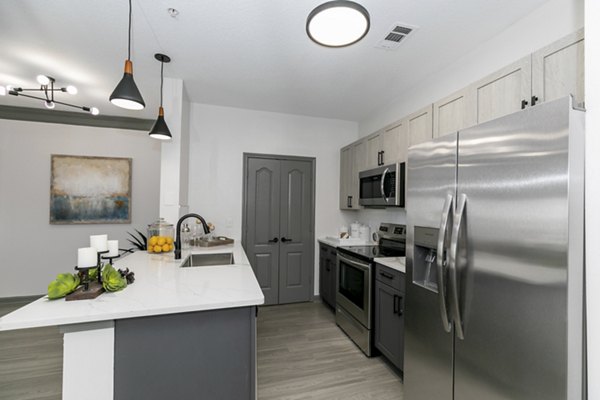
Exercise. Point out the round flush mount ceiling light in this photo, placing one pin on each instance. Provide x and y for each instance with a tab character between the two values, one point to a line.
338	23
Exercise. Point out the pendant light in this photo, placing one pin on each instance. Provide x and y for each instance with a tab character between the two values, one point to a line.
126	94
338	23
160	130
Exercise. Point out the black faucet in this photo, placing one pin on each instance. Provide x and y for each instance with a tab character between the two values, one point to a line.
178	232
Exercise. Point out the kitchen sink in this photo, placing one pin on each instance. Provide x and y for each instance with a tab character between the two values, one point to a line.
205	260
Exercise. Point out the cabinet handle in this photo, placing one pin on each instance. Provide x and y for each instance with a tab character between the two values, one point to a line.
534	100
274	240
395	305
283	240
349	201
399	307
378	158
523	104
386	275
382	153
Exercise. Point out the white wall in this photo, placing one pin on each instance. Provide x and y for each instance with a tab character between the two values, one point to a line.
220	136
550	22
174	171
33	251
592	192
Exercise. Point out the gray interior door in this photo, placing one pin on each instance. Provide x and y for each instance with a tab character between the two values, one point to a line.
296	248
263	196
279	226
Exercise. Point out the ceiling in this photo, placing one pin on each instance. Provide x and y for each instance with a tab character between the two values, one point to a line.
251	54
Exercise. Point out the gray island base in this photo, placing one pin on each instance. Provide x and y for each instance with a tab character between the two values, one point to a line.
198	355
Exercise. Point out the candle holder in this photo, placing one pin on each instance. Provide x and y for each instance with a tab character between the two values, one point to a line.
111	258
88	290
99	265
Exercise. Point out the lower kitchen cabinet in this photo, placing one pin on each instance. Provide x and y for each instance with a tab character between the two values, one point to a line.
389	322
327	273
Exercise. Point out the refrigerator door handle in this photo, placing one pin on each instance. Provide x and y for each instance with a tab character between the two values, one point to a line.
441	244
387	199
452	269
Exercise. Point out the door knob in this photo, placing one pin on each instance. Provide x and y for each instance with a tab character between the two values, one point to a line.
274	240
285	240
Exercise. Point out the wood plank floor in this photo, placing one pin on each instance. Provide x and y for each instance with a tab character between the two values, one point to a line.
302	354
30	361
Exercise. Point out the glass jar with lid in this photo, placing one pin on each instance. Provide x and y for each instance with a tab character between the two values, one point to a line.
160	237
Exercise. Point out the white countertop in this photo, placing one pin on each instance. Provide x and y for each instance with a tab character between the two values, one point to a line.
397	263
335	242
160	287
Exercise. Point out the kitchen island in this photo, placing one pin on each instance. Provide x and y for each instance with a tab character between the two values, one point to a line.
174	333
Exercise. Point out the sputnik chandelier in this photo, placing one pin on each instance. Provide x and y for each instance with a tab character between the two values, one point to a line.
48	90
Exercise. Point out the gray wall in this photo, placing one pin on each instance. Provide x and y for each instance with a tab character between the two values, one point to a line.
33	251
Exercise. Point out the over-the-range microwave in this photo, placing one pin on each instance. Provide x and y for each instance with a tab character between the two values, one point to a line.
383	186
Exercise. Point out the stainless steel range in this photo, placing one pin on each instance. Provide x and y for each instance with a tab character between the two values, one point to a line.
354	288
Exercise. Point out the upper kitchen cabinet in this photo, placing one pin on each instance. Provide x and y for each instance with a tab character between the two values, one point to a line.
346	178
503	92
359	163
419	126
558	70
394	143
453	113
353	159
387	145
374	144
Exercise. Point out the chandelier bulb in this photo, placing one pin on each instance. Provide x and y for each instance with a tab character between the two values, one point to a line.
43	80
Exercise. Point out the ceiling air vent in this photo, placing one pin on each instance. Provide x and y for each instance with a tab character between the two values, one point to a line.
395	36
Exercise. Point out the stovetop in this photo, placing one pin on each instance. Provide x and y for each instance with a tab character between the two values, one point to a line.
370	252
392	243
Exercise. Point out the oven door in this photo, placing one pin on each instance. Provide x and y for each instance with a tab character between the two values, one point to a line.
354	288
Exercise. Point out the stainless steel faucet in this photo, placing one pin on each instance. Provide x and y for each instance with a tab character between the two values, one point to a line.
178	232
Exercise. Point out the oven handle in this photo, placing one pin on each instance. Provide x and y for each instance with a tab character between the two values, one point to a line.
364	267
386	199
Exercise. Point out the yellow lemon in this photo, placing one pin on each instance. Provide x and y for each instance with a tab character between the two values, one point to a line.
152	241
157	249
161	241
170	247
166	247
169	240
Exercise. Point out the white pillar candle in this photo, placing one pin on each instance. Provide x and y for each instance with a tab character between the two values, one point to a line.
113	248
99	242
87	257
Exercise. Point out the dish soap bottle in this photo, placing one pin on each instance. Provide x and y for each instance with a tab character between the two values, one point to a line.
186	237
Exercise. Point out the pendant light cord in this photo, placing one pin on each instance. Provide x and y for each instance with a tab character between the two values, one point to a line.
162	64
129	34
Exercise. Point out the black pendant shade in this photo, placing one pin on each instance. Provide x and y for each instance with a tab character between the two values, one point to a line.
160	130
127	94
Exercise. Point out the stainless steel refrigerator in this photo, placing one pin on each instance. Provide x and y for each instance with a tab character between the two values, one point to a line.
494	289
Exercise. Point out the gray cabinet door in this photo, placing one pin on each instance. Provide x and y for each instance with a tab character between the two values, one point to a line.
262	223
296	229
332	278
389	323
323	277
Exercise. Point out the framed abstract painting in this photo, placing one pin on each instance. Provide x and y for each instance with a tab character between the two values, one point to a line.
90	190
